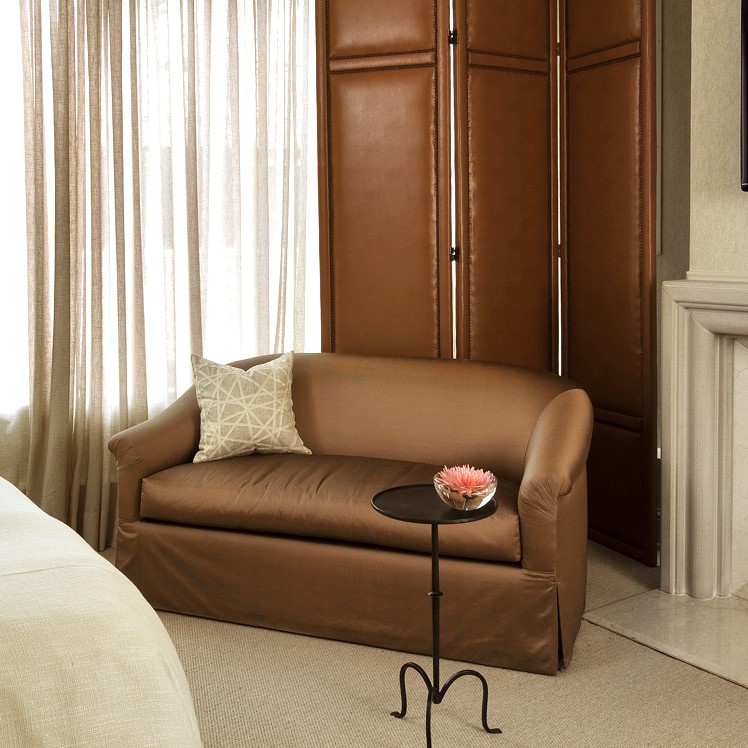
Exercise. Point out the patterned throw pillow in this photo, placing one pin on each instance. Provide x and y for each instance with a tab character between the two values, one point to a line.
242	412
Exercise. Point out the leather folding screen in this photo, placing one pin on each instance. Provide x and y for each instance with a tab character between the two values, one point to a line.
608	267
383	100
505	91
554	158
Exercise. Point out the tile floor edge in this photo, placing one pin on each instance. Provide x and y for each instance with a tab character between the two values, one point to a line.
646	641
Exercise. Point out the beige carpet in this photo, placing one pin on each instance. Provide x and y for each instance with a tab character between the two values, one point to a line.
267	689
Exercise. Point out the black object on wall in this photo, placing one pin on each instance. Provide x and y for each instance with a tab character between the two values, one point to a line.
744	97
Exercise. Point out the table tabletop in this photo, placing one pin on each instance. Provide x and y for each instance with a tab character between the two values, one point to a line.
421	504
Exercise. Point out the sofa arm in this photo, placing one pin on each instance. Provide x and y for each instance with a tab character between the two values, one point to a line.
554	461
170	438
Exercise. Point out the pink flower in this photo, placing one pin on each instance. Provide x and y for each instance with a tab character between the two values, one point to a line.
465	479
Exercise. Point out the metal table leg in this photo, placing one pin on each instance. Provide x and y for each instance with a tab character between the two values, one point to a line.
435	694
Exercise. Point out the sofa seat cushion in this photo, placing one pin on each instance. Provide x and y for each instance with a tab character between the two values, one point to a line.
321	496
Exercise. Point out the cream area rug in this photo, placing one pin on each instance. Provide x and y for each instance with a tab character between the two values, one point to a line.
269	689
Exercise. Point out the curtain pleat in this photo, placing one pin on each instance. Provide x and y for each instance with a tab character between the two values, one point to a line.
263	173
38	276
79	258
299	109
172	219
189	64
118	166
285	131
48	480
134	294
231	169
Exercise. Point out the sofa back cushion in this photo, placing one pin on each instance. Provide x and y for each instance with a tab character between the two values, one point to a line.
419	410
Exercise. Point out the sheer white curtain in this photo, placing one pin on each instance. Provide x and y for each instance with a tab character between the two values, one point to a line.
170	208
227	150
14	338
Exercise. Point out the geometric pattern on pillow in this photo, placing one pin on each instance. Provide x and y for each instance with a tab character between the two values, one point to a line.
242	412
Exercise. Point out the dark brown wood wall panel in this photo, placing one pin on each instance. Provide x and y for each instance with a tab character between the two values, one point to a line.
510	27
615	470
384	177
608	273
506	177
381	120
377	27
604	278
601	24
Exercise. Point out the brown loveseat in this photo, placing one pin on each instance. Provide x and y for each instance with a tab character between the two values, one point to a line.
291	542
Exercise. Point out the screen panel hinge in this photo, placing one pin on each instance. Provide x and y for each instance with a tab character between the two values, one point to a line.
453	36
454	254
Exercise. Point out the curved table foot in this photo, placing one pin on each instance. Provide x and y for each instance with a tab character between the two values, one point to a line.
484	712
403	695
404	698
434	697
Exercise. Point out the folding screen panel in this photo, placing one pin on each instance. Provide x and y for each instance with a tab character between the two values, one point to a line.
505	87
608	276
383	99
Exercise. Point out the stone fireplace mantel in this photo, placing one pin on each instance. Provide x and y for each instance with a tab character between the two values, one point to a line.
700	614
700	508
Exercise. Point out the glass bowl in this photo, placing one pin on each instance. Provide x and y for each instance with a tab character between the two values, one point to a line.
465	502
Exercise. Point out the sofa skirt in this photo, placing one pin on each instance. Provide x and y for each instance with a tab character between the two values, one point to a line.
491	613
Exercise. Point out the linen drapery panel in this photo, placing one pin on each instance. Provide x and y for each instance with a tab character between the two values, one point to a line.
167	172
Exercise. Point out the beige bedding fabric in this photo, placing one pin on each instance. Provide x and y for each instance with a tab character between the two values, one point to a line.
84	660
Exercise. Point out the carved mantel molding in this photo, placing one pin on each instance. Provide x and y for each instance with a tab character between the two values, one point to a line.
700	321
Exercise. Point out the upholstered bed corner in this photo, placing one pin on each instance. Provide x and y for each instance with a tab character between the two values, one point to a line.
84	660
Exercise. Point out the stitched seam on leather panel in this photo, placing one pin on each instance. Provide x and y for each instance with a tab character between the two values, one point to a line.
330	251
436	179
605	49
382	54
507	70
603	64
505	54
382	69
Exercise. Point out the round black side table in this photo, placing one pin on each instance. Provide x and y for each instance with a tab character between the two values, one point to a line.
421	504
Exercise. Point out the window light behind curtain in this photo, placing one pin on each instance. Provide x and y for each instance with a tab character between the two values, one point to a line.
170	158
